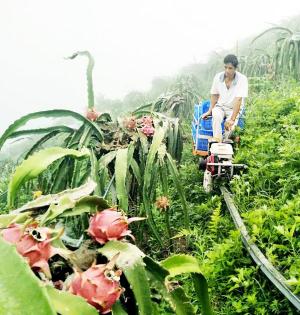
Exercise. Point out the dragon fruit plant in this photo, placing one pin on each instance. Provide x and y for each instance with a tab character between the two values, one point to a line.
33	243
93	288
109	225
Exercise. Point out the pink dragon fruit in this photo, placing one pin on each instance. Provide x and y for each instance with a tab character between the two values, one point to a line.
33	243
148	131
92	114
147	121
110	224
99	285
130	123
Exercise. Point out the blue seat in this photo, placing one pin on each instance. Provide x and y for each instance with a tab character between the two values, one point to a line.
202	128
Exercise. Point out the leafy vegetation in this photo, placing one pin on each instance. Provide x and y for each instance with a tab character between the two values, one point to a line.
270	190
34	222
78	187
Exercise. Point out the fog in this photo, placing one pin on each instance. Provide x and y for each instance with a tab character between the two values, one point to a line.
132	42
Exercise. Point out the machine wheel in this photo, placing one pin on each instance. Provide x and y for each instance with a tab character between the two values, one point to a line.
207	181
202	164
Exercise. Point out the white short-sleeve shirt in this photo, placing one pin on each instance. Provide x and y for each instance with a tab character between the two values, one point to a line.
238	88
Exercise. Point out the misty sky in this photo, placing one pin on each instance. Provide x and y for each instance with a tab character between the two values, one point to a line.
132	42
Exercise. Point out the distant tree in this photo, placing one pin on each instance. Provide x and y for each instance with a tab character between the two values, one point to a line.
112	106
134	99
159	85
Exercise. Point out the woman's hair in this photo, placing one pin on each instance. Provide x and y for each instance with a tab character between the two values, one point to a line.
231	59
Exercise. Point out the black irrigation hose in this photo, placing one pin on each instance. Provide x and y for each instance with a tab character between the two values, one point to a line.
267	268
